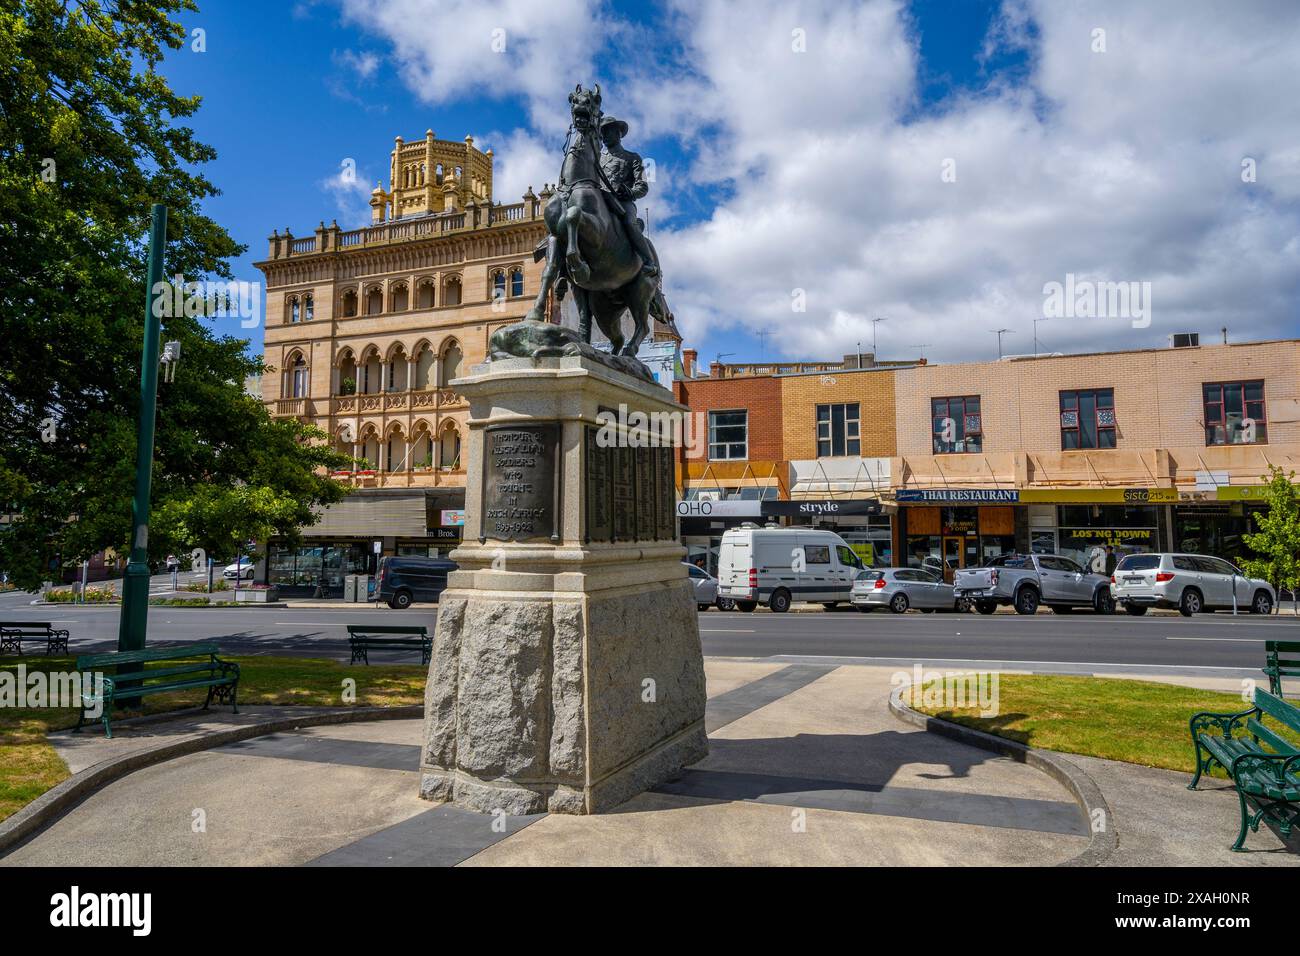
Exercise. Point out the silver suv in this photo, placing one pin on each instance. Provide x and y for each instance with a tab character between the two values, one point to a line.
1190	582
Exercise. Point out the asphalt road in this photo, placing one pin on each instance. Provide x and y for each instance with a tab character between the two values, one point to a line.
1206	641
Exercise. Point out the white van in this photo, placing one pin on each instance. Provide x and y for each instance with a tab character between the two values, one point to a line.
775	566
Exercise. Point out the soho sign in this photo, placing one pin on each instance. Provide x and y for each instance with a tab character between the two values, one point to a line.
704	508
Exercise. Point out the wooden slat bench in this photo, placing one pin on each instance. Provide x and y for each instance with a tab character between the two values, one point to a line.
387	637
1281	659
1264	766
221	678
13	633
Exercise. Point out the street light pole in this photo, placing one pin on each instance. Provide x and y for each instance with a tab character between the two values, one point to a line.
135	585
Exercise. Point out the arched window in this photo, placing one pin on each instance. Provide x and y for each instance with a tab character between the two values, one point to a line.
516	282
498	285
293	310
449	449
424	295
375	301
349	303
451	291
399	298
309	308
300	380
450	364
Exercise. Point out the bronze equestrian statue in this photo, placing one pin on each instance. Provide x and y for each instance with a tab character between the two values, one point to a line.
596	247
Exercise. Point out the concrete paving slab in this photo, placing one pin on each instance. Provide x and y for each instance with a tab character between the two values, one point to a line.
257	812
82	750
1162	823
657	829
722	674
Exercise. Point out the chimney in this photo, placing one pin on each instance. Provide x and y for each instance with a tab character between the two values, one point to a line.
688	362
715	370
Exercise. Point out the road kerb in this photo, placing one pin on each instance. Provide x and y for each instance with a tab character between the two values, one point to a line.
1080	786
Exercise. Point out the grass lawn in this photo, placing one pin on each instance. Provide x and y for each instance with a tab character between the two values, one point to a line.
29	765
1133	721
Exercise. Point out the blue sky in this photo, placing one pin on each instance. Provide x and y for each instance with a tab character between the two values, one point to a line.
817	169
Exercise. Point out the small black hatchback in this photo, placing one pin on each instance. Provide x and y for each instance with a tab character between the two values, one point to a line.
403	580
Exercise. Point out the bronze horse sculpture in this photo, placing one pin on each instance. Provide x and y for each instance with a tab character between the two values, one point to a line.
588	249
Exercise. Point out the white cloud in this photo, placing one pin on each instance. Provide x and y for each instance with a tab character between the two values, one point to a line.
351	192
1123	165
364	64
504	48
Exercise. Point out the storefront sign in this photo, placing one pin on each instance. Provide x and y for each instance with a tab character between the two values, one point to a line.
1242	493
707	508
949	495
452	517
829	506
1098	496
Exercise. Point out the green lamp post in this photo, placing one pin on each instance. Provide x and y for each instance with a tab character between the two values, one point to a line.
135	585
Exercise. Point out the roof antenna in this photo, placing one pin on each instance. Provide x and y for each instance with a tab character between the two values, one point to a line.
1224	330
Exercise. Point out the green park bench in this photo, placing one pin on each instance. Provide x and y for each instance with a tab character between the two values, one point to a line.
221	678
387	637
1276	666
1264	767
13	633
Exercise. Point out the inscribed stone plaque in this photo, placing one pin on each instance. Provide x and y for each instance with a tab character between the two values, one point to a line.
645	495
600	520
624	494
667	511
519	482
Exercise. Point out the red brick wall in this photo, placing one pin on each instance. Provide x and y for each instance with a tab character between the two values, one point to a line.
760	395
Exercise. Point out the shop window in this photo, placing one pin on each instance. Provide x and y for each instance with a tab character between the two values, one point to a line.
729	435
1088	419
838	431
1234	413
956	425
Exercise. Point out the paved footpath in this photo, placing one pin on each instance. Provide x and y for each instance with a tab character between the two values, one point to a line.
806	767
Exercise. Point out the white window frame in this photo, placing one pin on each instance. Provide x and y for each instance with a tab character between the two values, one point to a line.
728	445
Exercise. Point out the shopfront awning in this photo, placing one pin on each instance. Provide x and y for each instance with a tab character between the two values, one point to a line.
839	477
374	515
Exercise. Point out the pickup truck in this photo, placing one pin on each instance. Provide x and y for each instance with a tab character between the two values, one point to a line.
1027	580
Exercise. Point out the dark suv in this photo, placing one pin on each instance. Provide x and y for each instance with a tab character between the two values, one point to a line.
404	580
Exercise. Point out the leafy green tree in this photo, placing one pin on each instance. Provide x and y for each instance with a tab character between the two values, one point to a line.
1278	540
90	135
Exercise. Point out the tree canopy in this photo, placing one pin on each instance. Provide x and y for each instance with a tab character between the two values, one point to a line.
90	135
1278	540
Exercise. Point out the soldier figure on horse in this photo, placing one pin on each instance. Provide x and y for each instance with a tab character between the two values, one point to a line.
596	245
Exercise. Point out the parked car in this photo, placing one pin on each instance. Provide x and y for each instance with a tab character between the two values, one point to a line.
1189	582
706	587
240	570
1025	581
901	588
776	566
404	580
